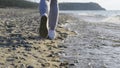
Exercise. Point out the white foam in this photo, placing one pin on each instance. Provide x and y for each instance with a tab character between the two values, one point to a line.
113	19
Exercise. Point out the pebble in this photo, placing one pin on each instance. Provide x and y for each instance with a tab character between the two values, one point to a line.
71	64
10	59
36	48
9	30
24	54
35	56
27	45
64	64
14	48
16	35
51	55
22	66
46	65
62	46
9	50
16	57
28	49
1	63
76	61
19	61
30	66
23	58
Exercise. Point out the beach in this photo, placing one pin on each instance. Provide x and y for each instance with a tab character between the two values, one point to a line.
85	39
20	44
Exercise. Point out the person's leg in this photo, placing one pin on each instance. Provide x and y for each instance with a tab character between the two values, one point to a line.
53	18
53	15
44	8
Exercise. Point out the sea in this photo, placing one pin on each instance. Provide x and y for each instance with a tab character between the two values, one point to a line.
108	15
98	12
97	40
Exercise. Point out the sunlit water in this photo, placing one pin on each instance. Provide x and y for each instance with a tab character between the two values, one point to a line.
104	13
97	43
94	16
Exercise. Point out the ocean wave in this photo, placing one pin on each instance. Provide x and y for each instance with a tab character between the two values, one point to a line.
112	19
92	17
100	18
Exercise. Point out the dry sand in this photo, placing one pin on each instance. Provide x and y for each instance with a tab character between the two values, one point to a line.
20	44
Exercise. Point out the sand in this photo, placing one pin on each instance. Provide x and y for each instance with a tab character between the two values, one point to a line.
20	44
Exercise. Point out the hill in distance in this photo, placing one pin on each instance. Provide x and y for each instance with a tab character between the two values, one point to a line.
17	3
80	6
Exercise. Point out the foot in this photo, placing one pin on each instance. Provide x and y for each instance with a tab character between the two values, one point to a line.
51	34
43	29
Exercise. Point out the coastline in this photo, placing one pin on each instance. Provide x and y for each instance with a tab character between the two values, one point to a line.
20	45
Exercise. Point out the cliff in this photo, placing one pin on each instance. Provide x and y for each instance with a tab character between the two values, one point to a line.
80	6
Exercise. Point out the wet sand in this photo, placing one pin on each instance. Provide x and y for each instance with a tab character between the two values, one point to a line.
20	44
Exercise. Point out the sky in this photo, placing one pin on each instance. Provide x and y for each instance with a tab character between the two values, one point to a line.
107	4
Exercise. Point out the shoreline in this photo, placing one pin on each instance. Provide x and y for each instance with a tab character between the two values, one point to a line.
20	45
